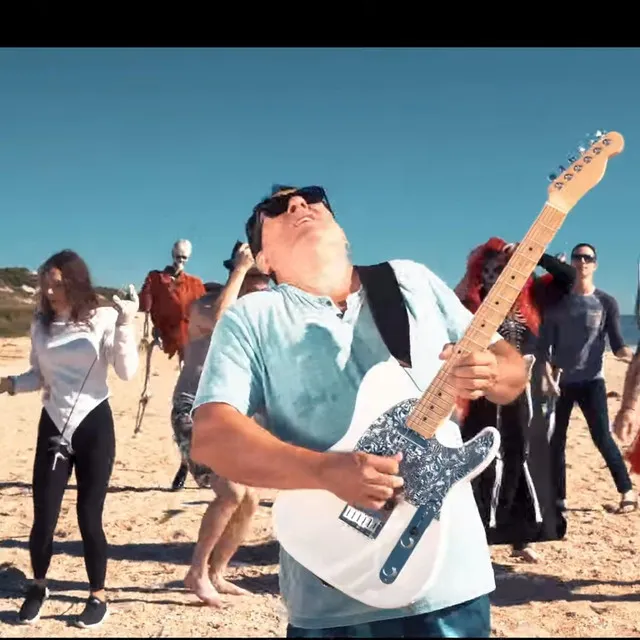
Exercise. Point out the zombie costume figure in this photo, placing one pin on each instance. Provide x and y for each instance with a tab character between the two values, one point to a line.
514	494
165	298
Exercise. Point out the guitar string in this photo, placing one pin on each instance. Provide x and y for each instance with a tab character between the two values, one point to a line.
440	383
547	215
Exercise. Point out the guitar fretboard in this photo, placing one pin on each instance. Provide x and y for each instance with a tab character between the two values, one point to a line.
438	401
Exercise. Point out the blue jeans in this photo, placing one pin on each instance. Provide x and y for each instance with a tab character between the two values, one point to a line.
470	619
591	397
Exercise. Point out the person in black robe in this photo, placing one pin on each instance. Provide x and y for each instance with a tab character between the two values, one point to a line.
514	494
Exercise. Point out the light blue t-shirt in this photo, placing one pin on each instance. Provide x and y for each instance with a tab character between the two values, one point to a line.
295	358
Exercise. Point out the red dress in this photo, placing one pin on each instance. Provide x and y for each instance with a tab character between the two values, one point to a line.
633	454
167	300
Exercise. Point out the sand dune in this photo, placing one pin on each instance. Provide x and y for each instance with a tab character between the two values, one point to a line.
587	585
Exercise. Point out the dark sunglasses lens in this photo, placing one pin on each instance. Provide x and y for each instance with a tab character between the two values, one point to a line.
312	195
279	204
275	207
583	257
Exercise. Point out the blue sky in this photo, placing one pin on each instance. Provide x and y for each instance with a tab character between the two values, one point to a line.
425	153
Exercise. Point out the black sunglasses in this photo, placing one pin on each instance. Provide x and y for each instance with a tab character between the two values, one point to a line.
585	257
275	206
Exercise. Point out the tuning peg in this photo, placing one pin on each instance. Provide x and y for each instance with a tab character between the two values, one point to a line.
582	149
571	159
561	168
600	133
551	177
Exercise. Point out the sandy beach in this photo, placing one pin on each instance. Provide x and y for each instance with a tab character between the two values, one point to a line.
585	586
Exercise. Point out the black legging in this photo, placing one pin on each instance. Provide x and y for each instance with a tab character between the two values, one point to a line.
94	446
591	397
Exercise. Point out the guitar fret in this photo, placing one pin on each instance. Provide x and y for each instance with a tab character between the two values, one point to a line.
480	335
512	286
473	342
517	273
436	403
438	392
432	404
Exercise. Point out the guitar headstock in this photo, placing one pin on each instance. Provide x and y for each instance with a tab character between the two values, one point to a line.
586	170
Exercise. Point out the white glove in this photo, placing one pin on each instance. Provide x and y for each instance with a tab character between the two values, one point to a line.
127	309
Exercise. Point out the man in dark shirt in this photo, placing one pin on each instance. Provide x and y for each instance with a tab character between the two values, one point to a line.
576	331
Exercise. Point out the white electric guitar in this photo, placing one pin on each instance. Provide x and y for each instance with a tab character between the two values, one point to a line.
390	558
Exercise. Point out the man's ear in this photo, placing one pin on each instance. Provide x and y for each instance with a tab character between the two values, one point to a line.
262	263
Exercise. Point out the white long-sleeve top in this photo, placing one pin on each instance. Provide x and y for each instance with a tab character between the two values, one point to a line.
61	359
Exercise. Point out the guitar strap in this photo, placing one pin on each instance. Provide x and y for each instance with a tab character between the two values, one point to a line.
388	308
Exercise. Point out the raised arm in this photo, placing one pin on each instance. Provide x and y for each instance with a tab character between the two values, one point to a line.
563	273
205	312
119	342
229	294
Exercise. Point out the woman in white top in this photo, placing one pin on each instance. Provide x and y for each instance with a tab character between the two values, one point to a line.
73	342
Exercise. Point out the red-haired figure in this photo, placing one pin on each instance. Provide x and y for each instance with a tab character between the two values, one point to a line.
514	494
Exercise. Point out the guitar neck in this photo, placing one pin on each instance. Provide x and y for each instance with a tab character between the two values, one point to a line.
438	401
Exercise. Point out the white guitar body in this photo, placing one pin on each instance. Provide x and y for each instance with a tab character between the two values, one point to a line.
384	564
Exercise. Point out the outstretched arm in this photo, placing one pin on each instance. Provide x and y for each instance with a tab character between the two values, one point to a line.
229	294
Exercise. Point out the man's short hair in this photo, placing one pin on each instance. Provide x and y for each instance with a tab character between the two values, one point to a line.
585	244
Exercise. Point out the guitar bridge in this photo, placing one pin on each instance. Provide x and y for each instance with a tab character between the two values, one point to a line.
367	521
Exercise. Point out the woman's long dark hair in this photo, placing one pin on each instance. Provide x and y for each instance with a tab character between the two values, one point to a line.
78	287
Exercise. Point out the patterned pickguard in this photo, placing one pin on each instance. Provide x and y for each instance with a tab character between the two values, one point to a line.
428	467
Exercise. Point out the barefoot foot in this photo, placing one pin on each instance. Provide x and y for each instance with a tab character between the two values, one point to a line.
224	586
202	587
